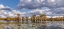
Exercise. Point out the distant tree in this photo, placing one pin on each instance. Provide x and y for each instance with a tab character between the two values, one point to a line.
43	17
57	18
37	18
50	19
63	18
33	18
18	18
23	19
27	18
8	18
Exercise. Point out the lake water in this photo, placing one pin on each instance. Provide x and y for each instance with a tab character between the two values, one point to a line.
41	25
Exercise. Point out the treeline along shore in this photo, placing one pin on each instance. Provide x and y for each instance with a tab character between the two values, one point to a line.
34	18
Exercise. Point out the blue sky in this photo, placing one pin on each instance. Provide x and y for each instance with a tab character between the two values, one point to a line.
31	7
10	3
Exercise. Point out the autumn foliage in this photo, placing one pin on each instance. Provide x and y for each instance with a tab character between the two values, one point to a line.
33	18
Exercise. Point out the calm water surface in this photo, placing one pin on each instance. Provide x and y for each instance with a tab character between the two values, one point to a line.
41	25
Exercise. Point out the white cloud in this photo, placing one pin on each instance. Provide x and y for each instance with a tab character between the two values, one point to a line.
40	11
1	6
55	6
34	4
51	0
13	13
29	0
48	16
17	12
2	16
56	16
53	16
49	13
